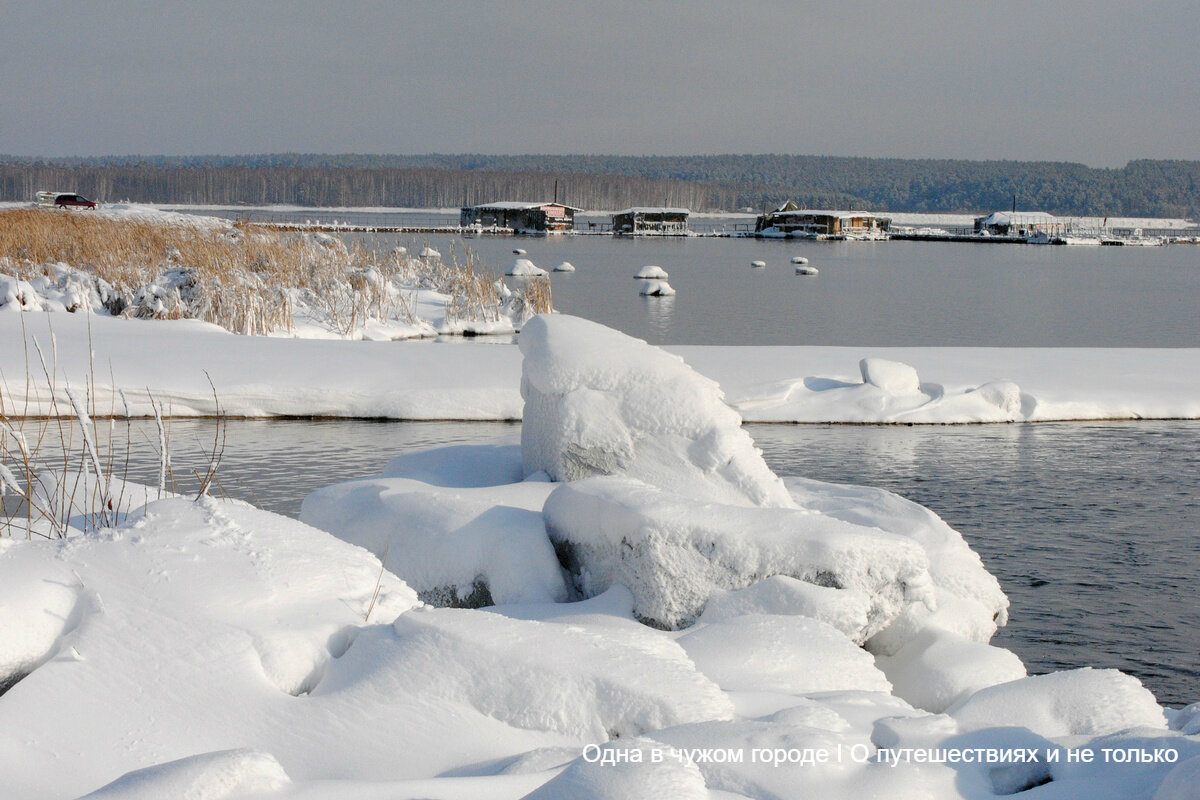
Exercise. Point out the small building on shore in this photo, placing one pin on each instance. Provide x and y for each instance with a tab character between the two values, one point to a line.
1018	223
791	221
519	217
645	220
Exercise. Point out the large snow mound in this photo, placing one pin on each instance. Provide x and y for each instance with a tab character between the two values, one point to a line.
1078	702
673	552
598	402
846	610
456	545
969	601
588	685
191	629
459	547
786	654
228	774
936	668
623	779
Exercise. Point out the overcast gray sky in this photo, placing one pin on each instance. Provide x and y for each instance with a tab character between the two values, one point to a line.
1095	81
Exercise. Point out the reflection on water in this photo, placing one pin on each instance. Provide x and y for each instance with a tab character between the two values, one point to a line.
1092	528
660	311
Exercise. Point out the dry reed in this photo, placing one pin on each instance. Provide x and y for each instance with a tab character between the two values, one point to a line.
245	279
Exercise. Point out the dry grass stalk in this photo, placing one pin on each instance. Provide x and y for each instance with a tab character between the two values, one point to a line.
243	278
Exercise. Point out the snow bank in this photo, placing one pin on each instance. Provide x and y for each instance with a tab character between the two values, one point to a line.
846	610
1078	702
456	545
673	551
786	654
585	684
212	776
890	376
261	376
186	631
936	669
207	649
625	779
598	402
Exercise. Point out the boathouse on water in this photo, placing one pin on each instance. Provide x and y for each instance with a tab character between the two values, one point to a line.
1018	223
519	217
789	220
643	220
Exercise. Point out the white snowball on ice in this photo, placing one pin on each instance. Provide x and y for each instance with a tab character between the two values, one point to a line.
651	272
656	288
524	268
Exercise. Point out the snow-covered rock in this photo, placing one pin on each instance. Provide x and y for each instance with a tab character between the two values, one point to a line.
890	376
845	609
565	266
969	601
936	669
656	288
455	544
524	268
598	402
651	272
584	684
1078	702
673	551
786	654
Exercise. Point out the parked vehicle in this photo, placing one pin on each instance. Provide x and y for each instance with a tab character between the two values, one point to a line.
63	200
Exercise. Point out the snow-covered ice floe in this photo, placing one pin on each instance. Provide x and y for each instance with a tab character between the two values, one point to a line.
804	639
267	376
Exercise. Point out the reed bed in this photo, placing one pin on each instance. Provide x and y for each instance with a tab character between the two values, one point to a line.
246	279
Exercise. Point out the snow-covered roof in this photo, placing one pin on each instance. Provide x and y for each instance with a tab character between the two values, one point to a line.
517	205
1018	218
821	212
652	210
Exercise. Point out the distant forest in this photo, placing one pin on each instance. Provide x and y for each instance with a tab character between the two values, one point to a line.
702	183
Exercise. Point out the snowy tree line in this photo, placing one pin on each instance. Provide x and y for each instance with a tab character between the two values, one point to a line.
716	182
341	186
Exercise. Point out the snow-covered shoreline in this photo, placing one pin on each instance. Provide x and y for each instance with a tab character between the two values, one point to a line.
627	604
259	376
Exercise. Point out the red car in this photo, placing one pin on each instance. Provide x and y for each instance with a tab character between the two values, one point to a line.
73	201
